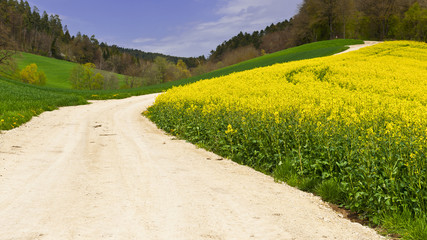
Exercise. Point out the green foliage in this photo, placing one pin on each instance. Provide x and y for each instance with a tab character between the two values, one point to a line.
31	75
9	69
182	70
111	81
414	24
58	72
84	77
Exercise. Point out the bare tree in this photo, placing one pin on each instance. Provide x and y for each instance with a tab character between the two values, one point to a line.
6	46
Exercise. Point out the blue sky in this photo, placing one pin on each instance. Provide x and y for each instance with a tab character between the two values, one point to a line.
185	28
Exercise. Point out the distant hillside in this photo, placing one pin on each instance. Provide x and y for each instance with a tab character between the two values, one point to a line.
319	20
306	51
57	71
149	56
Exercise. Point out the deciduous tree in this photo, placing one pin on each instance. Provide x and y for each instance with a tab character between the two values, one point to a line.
84	77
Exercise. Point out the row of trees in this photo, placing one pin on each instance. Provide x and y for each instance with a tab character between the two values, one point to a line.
159	71
86	76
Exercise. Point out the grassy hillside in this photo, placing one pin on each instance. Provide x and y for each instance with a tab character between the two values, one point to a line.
351	128
17	98
57	71
306	51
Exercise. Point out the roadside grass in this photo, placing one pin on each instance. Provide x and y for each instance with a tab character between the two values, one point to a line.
405	225
19	102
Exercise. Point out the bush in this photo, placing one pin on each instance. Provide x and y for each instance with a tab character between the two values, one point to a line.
31	75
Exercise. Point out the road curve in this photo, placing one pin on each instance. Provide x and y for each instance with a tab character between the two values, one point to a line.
359	46
103	171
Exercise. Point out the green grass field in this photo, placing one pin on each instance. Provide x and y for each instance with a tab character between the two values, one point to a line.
57	71
19	102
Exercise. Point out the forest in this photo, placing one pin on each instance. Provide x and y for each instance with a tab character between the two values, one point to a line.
24	28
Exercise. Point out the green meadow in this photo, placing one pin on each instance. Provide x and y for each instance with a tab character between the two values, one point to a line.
57	71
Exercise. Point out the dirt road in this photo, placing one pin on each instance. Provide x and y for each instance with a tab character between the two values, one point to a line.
359	46
102	171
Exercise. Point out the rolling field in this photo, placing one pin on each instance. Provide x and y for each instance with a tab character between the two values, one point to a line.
57	73
352	128
306	51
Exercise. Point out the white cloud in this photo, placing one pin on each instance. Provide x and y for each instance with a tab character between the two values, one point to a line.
232	16
238	6
143	40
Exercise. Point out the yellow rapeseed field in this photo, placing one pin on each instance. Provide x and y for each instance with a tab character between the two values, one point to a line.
358	119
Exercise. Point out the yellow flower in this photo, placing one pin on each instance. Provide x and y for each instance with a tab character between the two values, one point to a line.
230	130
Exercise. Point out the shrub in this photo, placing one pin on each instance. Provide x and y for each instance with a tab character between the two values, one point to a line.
31	75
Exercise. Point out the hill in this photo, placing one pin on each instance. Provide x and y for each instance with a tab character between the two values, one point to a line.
57	71
27	100
306	51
